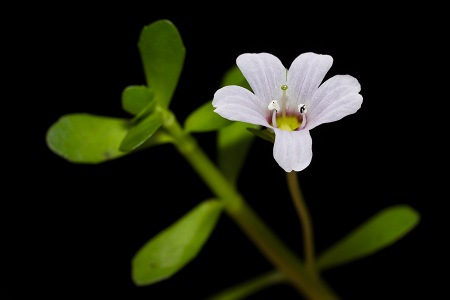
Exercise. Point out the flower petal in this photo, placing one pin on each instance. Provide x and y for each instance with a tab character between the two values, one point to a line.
265	73
305	75
336	98
292	149
239	104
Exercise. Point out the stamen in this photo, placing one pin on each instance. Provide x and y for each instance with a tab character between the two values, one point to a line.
274	119
302	125
274	105
302	109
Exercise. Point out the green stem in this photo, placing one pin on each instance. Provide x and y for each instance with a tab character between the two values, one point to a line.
267	242
305	219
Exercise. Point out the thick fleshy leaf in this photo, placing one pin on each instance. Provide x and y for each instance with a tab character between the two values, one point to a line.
380	231
145	112
141	132
173	248
135	98
158	138
162	54
204	119
233	144
86	138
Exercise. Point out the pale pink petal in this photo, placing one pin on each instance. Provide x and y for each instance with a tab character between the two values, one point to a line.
265	73
336	98
239	104
305	75
292	149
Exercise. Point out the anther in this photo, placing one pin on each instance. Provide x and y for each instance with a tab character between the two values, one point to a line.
274	105
302	108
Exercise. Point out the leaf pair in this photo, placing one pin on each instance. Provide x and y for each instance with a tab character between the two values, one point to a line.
174	247
381	230
87	138
162	53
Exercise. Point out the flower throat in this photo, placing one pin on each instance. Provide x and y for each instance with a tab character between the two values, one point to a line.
284	120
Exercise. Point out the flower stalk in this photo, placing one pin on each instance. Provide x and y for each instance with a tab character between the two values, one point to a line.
305	219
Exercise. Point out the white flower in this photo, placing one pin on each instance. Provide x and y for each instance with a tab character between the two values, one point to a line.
290	102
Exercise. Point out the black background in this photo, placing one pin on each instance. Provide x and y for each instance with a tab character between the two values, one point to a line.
73	229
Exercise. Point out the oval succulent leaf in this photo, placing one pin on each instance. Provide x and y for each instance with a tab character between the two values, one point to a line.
173	248
141	132
135	98
86	138
162	54
378	232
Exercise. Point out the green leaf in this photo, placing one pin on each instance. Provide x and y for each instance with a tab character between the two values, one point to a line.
158	138
141	132
135	98
145	112
173	248
204	119
233	144
86	138
378	232
162	54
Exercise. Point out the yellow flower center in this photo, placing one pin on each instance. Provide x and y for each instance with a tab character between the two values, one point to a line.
284	120
289	123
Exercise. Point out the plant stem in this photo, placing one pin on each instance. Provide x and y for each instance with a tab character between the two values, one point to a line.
235	206
305	219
